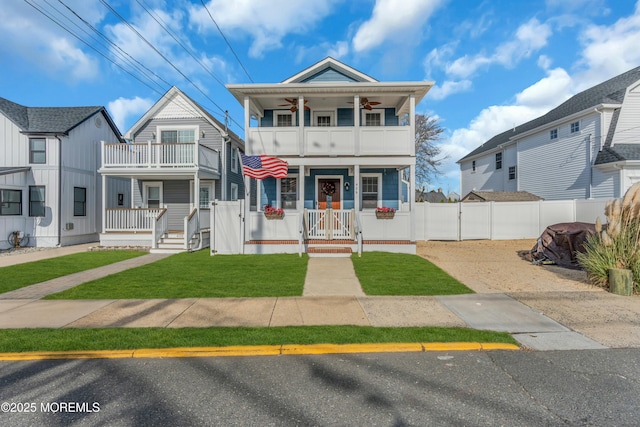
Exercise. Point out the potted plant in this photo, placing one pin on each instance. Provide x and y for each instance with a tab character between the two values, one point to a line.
271	212
385	213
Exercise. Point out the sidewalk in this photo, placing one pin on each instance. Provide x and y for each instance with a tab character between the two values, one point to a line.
335	299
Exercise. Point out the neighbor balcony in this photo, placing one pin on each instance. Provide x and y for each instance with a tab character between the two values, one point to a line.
331	141
149	157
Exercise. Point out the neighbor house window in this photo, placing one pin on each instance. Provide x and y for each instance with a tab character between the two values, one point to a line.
512	172
79	201
283	119
205	195
323	118
10	202
498	160
234	191
575	127
370	192
36	200
473	166
553	134
37	150
289	192
234	159
180	136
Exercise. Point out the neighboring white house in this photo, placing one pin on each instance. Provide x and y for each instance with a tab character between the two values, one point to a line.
50	189
178	159
587	147
344	133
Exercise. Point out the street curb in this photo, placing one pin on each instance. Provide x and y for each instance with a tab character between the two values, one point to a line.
256	350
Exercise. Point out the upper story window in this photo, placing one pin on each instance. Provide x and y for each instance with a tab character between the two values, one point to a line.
373	117
323	118
553	134
179	136
575	127
498	160
473	166
512	172
10	202
234	159
283	119
37	150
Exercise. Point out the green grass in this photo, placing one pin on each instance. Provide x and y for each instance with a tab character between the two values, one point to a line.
382	273
199	275
21	340
21	275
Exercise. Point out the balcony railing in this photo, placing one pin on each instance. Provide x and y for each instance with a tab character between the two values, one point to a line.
153	155
331	141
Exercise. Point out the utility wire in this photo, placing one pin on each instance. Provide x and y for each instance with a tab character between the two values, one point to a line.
226	41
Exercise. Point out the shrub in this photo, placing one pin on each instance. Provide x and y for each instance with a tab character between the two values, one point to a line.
617	246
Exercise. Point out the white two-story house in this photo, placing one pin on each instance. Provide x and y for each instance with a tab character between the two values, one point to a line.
178	158
50	190
348	140
587	147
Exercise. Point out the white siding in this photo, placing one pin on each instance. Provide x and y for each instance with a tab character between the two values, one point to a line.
605	184
509	159
627	130
485	178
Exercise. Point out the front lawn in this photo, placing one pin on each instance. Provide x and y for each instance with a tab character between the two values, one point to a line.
21	340
383	273
30	273
199	275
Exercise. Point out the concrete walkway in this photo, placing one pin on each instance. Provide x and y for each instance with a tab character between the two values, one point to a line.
332	296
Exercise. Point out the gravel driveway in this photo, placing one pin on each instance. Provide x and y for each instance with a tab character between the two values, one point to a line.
562	294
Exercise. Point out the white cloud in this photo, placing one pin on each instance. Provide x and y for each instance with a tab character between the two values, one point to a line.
449	87
391	19
267	24
37	40
123	110
548	92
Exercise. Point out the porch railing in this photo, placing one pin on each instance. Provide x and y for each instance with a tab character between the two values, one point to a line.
160	227
132	219
190	227
330	224
154	155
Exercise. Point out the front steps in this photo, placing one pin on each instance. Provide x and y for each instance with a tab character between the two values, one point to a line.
172	243
329	248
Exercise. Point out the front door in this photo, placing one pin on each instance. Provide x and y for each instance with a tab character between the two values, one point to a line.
328	193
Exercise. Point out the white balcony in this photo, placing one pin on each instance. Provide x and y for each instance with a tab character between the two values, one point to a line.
331	141
153	156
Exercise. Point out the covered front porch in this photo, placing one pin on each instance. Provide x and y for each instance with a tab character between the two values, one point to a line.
332	208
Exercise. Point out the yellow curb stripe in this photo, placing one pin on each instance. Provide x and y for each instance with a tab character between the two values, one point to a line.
258	350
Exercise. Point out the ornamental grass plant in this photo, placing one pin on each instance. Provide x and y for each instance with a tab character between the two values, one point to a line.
618	244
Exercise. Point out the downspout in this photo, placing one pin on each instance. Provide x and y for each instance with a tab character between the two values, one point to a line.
59	191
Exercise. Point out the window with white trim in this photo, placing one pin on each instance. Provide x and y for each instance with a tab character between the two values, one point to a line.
152	195
370	191
289	192
10	202
205	195
553	134
234	191
178	136
575	127
323	118
373	117
234	159
283	119
512	173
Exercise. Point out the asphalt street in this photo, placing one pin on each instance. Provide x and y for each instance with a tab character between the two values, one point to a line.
495	388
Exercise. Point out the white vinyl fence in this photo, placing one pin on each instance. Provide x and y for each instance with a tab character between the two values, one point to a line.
501	220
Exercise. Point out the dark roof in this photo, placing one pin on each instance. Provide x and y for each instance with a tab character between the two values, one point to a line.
610	92
500	196
618	153
46	119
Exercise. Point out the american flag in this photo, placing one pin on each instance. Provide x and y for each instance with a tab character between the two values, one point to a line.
260	167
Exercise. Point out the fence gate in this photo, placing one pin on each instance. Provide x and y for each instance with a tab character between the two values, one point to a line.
227	227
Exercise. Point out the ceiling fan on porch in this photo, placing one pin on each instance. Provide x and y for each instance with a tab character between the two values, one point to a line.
293	103
366	104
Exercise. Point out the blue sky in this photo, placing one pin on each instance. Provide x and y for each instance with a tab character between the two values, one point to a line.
495	63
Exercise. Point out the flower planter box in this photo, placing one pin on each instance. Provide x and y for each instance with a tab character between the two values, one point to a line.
385	215
273	216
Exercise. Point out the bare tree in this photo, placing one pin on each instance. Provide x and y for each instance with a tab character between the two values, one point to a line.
428	158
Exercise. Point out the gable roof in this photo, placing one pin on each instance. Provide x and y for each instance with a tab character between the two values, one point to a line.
325	65
196	109
611	91
54	120
500	196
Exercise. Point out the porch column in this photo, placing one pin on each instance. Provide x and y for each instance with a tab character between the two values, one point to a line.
356	187
104	203
301	188
196	195
412	124
247	180
356	124
301	125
